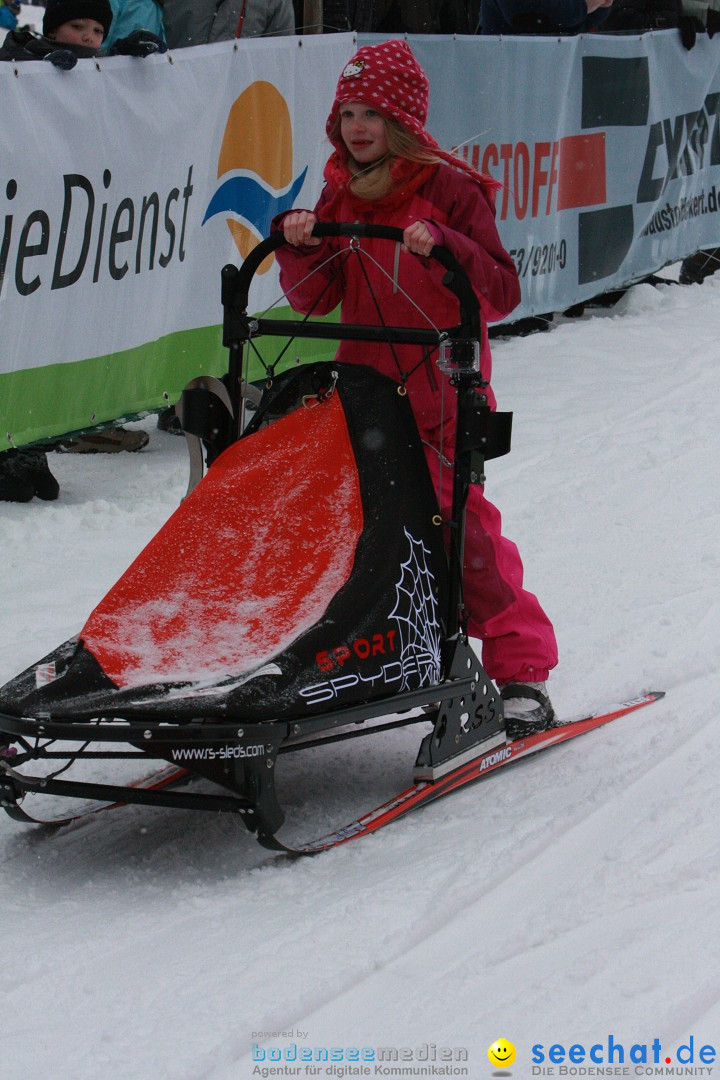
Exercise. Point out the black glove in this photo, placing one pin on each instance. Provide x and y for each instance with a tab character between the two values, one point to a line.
139	43
689	29
62	58
713	22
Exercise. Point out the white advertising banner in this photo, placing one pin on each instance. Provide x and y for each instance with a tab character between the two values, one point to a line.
607	148
126	185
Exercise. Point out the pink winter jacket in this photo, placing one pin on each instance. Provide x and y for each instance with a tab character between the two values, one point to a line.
464	221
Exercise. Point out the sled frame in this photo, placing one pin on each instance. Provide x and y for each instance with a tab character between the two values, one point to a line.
465	709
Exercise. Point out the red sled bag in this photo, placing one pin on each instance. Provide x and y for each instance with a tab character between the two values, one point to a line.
305	572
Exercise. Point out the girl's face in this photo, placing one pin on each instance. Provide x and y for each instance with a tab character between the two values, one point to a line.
363	131
86	32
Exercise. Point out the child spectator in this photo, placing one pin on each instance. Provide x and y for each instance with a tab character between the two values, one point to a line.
72	29
75	30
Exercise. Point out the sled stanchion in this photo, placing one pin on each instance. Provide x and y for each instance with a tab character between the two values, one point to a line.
455	616
235	334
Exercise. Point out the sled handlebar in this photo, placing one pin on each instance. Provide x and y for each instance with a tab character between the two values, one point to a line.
236	285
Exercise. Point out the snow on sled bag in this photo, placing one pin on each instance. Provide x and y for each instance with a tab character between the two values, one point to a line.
307	571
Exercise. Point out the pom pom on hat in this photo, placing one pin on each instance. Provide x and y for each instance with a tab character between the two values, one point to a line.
58	12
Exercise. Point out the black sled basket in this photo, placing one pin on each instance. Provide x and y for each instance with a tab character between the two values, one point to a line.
300	594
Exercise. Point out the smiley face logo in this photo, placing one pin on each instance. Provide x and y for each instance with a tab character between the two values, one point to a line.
501	1053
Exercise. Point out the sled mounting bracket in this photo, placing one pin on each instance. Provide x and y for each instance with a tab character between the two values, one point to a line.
467	726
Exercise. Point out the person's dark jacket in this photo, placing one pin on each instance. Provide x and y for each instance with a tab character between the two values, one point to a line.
198	22
637	16
539	17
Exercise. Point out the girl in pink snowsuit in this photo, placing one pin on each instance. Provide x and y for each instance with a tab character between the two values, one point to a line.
388	170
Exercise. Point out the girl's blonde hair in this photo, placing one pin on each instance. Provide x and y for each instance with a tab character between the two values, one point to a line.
374	181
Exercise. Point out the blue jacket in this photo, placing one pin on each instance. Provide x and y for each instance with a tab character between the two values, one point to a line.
8	21
129	15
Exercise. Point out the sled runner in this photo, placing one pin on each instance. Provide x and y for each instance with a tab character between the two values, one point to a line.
300	594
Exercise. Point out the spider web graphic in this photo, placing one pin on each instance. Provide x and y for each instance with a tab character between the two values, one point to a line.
416	615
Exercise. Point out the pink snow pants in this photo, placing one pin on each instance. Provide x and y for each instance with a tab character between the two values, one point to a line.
518	640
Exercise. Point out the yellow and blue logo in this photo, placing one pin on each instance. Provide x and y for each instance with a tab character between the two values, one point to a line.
255	166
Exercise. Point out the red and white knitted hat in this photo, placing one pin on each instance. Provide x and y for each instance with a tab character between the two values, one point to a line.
388	77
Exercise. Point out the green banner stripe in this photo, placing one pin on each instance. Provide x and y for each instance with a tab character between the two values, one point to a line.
45	403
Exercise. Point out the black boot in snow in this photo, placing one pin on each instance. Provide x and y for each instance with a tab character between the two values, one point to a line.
36	467
15	484
24	474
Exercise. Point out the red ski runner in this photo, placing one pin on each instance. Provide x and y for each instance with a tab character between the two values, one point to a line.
422	793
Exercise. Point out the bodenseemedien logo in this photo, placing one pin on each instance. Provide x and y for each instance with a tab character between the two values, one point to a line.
345	1062
255	166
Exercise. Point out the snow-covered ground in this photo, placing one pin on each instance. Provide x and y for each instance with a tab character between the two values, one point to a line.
574	899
